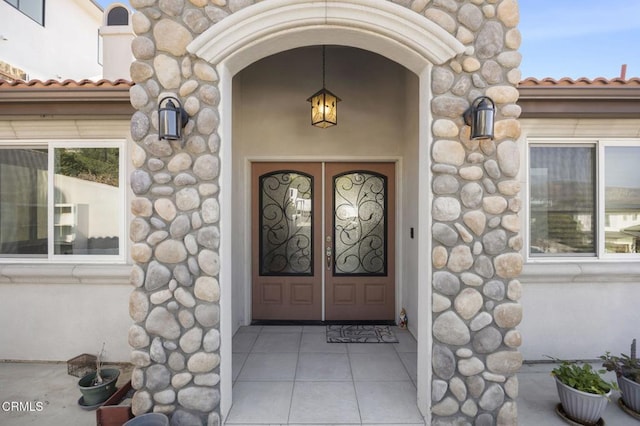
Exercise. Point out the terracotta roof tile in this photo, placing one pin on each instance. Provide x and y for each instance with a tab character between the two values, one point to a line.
580	82
69	84
65	98
106	84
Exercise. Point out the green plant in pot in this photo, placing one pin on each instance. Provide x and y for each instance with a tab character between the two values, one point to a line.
583	392
96	387
627	368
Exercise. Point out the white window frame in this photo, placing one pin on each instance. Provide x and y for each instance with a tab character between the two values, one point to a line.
51	145
599	144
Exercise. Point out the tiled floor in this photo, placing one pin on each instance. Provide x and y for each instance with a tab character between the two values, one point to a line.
293	399
291	375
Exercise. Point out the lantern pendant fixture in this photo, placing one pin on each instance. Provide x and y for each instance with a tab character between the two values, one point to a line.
324	104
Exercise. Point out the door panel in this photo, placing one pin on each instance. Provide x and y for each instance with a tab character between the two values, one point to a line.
356	257
286	241
359	229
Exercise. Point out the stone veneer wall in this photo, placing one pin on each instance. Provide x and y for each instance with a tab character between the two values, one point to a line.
475	221
475	225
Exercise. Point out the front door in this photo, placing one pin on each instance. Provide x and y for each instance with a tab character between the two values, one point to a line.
323	241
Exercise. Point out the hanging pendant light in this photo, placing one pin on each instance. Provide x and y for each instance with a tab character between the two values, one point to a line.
324	104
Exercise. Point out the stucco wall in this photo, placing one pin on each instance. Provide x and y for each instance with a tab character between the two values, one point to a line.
65	319
572	317
66	47
377	120
410	217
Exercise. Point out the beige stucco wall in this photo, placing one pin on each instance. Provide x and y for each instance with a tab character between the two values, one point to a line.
377	120
66	319
410	218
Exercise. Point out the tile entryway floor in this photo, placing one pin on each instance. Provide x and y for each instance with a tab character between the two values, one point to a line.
291	375
50	384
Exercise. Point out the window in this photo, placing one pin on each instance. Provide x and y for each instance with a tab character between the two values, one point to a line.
62	201
584	199
118	16
622	199
34	9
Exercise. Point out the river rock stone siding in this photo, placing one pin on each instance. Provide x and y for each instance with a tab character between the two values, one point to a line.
175	232
475	221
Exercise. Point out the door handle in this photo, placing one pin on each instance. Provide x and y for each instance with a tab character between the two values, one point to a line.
329	254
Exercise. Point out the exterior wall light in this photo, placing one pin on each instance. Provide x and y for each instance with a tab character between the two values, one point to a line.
171	118
324	104
480	116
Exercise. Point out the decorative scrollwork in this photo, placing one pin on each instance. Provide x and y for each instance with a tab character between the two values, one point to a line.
285	224
360	224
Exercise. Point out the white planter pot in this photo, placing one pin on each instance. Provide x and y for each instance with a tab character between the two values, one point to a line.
581	406
630	393
149	419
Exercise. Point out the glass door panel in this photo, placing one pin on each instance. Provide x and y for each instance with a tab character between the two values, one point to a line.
286	220
360	225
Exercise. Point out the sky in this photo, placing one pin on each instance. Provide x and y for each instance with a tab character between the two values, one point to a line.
579	38
575	38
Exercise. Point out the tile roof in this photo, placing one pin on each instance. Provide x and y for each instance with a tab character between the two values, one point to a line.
121	83
68	84
65	98
580	82
582	98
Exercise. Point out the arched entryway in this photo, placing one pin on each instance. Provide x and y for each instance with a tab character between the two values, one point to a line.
381	27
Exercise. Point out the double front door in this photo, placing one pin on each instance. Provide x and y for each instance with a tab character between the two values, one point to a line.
323	241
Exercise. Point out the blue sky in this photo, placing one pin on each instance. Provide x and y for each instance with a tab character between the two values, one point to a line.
579	38
576	38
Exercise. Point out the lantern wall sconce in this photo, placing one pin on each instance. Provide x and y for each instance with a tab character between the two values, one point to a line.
171	118
480	116
324	104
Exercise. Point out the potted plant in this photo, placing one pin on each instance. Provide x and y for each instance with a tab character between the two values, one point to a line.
582	390
627	368
96	387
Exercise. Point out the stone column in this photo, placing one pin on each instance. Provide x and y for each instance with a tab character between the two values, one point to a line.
474	216
175	232
475	221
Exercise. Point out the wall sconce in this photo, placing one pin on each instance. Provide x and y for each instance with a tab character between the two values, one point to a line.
480	116
324	104
171	118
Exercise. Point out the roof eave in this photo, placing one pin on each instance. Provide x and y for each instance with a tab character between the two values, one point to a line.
579	101
82	100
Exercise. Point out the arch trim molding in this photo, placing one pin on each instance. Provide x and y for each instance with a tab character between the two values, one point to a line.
269	27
